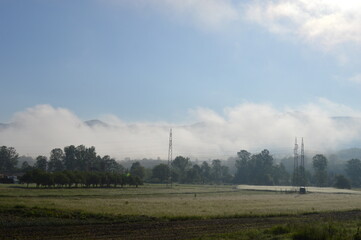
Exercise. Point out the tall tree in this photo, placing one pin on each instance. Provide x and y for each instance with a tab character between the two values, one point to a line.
226	176
242	173
137	170
260	169
25	166
81	157
70	161
161	172
108	164
353	170
180	166
319	162
56	160
217	171
205	172
194	174
8	159
281	176
91	157
41	163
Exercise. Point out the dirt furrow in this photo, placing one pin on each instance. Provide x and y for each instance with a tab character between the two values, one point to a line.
184	229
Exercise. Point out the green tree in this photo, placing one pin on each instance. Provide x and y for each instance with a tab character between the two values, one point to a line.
194	174
280	175
25	167
8	159
353	170
108	164
342	182
86	157
90	158
242	173
261	169
205	172
42	178
216	171
319	162
180	166
61	179
70	161
161	172
79	178
72	176
134	180
92	179
27	178
137	170
226	176
41	163
56	160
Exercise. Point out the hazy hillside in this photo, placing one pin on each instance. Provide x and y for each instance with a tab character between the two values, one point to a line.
147	163
95	122
4	125
347	154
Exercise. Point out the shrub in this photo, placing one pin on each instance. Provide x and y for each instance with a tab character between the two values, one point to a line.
280	229
342	182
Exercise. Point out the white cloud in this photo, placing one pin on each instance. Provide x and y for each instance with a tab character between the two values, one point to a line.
331	109
321	22
325	23
248	126
356	78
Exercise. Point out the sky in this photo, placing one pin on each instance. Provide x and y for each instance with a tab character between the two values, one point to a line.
225	74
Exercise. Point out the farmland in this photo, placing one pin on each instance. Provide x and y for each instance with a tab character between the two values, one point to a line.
137	209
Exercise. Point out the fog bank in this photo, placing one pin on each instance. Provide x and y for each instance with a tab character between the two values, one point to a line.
248	126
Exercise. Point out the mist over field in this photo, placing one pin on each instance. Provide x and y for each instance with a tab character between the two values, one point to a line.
209	134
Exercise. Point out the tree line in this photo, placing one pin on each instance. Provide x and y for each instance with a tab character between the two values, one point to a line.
79	179
182	170
259	169
82	166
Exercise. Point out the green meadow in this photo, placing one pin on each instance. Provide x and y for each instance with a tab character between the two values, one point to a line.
177	201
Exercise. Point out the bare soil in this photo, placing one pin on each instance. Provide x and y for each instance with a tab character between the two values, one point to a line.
160	229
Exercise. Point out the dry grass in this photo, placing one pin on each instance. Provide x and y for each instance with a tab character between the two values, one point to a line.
185	201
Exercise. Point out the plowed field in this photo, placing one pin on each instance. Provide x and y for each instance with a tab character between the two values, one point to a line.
160	229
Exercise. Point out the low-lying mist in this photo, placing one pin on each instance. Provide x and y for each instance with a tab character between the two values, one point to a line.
248	126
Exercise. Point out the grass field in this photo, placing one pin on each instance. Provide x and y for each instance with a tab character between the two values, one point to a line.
82	206
179	201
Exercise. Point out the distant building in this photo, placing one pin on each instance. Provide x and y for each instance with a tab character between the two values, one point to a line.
9	178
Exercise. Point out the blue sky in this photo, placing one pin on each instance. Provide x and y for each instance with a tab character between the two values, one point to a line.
174	60
154	61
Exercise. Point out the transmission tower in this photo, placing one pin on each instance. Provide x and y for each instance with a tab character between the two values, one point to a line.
170	153
302	155
302	167
295	164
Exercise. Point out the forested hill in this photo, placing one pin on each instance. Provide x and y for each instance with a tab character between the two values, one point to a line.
347	154
147	163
